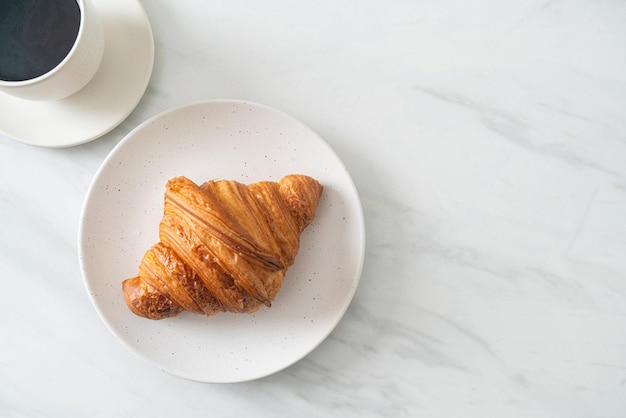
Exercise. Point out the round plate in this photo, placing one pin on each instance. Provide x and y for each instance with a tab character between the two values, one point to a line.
230	140
109	97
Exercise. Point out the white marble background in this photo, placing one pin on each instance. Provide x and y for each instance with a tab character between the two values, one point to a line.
488	142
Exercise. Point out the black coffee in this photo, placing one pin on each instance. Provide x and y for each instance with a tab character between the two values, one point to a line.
35	36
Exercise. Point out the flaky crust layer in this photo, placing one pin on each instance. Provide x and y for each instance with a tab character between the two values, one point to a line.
224	246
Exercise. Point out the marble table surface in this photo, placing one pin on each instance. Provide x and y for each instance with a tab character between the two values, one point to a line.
487	141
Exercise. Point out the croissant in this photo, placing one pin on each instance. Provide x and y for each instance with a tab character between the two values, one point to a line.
224	246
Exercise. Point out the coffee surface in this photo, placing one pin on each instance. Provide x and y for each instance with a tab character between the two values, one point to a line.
35	36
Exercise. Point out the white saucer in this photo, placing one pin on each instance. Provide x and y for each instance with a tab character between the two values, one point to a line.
109	97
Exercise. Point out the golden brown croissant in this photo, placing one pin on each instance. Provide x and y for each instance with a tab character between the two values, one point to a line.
224	246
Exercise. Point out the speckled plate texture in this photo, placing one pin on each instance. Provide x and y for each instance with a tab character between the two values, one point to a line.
235	140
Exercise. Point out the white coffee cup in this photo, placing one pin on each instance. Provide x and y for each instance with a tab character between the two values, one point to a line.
74	71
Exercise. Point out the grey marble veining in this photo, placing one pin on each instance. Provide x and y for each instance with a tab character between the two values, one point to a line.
488	144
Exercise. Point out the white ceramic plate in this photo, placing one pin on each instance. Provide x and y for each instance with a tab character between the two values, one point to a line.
230	140
107	99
